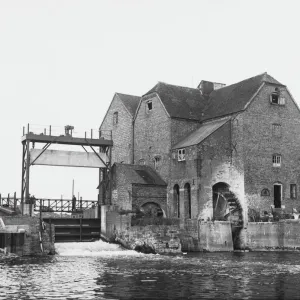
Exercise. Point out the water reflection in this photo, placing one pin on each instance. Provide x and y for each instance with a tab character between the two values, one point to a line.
132	276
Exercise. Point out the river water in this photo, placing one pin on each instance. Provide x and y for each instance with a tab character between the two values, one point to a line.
102	271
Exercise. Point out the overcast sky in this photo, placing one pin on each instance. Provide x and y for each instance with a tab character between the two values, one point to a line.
62	61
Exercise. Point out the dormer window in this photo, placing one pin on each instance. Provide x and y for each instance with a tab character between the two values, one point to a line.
181	154
149	106
276	99
115	118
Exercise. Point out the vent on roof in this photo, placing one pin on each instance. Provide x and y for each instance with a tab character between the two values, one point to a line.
206	87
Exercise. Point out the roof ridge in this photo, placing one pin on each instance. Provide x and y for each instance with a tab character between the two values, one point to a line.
180	86
127	95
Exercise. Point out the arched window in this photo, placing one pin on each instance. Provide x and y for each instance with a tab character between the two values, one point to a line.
115	118
142	162
176	202
187	200
157	161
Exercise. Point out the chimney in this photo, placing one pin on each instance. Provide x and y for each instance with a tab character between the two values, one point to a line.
206	87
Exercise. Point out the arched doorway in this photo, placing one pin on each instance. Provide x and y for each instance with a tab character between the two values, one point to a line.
226	206
176	202
187	200
152	209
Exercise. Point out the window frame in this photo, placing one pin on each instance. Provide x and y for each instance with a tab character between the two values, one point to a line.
115	118
280	100
142	162
293	193
277	160
181	154
149	110
157	160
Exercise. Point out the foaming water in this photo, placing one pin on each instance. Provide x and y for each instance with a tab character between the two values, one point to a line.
106	271
97	248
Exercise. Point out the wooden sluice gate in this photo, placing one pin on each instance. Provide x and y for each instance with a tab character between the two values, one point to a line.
75	229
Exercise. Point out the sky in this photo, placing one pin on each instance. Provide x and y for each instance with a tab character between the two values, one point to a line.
62	61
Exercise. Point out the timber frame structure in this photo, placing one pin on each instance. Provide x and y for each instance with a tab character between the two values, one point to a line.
104	145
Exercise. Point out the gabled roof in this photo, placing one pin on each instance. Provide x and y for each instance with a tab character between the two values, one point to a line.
179	101
234	98
140	174
131	102
201	133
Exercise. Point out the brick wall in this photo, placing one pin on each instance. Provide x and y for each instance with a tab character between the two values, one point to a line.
126	193
142	194
121	132
213	160
260	144
152	136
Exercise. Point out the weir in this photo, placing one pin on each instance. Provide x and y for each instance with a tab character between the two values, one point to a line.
98	248
75	230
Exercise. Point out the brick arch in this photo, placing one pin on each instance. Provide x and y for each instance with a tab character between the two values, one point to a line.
162	206
155	204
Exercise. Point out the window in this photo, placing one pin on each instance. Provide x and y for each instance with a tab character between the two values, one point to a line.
293	190
149	106
276	160
156	162
276	99
181	154
276	129
141	162
265	192
115	118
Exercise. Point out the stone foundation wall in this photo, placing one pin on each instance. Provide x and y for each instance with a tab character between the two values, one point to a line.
160	238
31	245
215	236
283	235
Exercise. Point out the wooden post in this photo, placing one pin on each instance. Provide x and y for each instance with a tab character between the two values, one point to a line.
50	130
15	201
41	214
80	229
0	200
8	200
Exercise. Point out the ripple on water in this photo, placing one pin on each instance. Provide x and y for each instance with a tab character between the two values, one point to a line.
91	271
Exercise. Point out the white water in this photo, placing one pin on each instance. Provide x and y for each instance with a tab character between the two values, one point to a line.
98	248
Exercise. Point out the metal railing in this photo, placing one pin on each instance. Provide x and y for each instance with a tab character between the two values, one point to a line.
67	130
49	205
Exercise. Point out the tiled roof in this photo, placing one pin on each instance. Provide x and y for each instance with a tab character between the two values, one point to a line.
179	101
131	102
188	103
200	134
233	98
141	174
